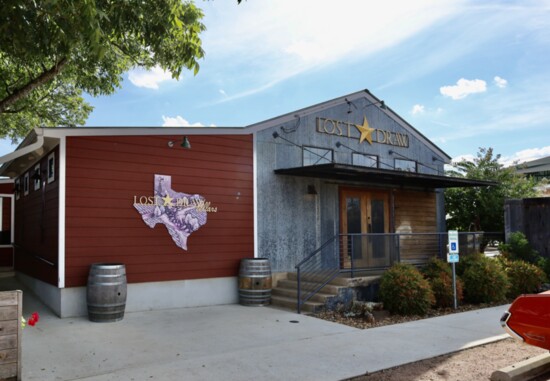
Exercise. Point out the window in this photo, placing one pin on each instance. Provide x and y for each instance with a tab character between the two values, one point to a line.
26	184
51	167
364	160
315	156
405	165
36	176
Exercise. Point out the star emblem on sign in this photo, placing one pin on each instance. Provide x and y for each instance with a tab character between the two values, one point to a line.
365	130
167	200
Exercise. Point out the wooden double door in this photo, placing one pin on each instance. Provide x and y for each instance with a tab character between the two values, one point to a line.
362	212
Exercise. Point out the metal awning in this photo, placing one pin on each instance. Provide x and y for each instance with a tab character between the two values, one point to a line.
376	176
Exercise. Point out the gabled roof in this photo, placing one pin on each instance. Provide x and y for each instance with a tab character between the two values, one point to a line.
45	138
279	120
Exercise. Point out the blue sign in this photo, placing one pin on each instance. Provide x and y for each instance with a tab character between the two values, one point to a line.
452	258
453	241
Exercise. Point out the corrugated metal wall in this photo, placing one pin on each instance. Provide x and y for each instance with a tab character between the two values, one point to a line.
293	223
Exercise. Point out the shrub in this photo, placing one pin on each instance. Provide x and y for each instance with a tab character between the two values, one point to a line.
404	291
485	281
518	247
544	264
465	262
440	276
525	278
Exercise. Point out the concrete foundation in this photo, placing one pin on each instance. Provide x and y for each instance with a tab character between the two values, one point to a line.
71	302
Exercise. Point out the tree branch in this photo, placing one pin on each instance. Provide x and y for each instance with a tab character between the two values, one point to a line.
30	86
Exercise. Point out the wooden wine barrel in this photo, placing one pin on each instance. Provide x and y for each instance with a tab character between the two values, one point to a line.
106	292
255	282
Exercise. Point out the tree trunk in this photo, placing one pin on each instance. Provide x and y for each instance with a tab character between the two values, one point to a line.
22	92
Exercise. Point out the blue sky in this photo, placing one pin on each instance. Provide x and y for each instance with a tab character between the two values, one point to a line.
467	74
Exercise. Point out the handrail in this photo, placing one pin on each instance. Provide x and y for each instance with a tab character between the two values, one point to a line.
327	262
316	251
306	265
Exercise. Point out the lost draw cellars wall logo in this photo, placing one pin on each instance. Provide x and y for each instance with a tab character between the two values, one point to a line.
361	131
181	213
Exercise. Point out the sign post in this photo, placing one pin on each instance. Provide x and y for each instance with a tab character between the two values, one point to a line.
452	257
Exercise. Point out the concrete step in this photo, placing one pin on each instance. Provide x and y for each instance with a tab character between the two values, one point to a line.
317	278
343	280
293	294
293	285
290	303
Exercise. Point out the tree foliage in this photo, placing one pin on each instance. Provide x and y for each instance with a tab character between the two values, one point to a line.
482	208
53	50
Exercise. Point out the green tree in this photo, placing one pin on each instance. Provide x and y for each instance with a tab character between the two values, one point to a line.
482	208
53	50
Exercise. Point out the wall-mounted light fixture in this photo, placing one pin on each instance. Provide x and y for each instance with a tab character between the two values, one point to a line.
311	190
185	143
287	130
17	189
380	104
350	103
37	175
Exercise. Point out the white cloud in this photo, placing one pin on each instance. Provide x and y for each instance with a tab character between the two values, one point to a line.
418	109
148	78
268	42
500	82
222	92
526	155
178	121
459	158
463	88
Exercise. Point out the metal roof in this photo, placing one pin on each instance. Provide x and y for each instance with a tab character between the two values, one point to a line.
376	176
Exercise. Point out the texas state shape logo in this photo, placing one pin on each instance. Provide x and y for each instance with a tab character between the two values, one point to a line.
181	213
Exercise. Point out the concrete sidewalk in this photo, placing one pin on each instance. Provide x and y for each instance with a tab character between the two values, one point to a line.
233	342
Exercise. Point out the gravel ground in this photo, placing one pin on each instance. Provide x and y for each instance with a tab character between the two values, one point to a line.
469	365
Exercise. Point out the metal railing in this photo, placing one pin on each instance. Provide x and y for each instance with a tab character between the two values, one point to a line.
374	252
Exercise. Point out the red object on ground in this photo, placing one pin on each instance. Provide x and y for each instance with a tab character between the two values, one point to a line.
528	319
33	319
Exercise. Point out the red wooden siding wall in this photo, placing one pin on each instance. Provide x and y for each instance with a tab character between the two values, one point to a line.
36	226
104	174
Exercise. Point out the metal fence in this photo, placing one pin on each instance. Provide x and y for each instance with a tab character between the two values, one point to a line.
359	254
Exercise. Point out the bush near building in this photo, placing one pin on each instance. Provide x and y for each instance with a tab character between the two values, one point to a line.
485	281
519	248
440	276
404	291
525	278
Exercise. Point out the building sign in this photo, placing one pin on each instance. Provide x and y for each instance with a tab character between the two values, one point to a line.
181	213
362	132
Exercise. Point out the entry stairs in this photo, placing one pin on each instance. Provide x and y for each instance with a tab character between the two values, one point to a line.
341	289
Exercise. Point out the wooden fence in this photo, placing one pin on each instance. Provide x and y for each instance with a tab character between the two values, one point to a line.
531	216
11	304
